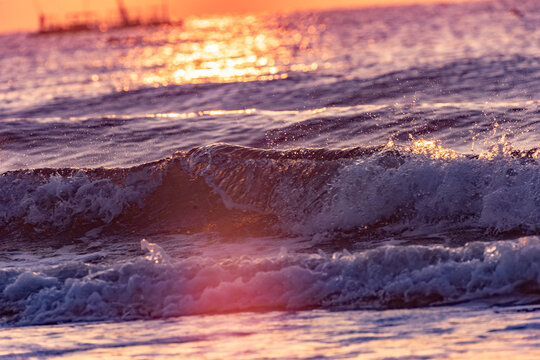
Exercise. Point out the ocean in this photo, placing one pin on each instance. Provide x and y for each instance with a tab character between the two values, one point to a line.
354	183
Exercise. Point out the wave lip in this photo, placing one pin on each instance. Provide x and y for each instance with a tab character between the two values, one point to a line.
300	191
385	277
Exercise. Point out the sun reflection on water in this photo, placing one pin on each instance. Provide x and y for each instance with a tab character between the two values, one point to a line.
220	49
433	149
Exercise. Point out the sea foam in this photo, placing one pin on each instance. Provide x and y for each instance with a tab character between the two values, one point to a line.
384	277
302	191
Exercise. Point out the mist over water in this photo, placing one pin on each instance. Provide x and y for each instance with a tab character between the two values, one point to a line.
323	171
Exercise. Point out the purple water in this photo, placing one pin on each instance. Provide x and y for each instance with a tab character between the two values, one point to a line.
344	183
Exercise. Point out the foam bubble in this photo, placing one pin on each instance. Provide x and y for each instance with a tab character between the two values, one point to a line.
384	277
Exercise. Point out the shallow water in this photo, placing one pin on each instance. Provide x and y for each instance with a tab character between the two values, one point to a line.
333	184
436	333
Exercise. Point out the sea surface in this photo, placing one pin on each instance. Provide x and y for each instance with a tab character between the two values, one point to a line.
355	183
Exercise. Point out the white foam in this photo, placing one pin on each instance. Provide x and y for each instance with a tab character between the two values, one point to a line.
58	201
28	283
501	195
381	277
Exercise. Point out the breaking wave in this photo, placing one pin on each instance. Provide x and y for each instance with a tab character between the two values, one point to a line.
302	191
386	277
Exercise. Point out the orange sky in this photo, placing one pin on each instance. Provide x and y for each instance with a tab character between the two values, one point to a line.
22	14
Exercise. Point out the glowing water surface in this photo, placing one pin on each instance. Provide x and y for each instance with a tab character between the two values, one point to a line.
392	153
460	332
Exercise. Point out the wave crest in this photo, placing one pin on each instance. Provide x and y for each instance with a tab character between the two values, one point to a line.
385	277
301	191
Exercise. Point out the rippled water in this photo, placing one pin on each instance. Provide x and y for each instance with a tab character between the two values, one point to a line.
360	183
448	333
